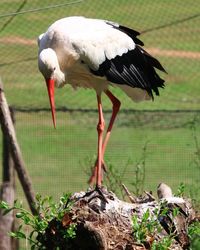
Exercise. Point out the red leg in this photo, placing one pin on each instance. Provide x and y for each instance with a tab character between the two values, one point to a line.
116	106
100	129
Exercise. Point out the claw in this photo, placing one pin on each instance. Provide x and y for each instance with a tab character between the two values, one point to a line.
96	193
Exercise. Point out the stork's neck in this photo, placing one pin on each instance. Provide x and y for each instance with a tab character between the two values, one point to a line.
66	59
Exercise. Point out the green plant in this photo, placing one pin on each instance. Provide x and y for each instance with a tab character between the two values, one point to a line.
114	178
180	190
163	244
49	212
146	228
140	166
143	228
194	235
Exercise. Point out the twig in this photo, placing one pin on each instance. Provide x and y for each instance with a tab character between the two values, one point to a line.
150	196
131	198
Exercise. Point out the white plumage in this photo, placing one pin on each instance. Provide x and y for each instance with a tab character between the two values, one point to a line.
78	39
94	53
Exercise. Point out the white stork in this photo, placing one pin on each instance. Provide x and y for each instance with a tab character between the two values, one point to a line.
94	53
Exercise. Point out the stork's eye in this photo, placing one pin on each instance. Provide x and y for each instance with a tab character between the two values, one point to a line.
54	68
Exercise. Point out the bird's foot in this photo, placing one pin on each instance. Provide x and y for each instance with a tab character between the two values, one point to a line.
98	192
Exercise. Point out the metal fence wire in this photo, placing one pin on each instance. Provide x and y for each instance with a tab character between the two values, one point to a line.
170	31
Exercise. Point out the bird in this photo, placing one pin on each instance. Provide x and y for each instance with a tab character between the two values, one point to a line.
98	54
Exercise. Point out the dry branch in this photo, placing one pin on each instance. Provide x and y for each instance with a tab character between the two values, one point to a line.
9	132
6	222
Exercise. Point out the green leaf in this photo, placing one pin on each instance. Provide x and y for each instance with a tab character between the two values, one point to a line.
49	210
146	215
38	197
4	205
19	215
17	205
12	234
26	220
175	212
18	235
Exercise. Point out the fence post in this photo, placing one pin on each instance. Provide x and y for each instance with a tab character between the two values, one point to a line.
9	131
8	191
8	167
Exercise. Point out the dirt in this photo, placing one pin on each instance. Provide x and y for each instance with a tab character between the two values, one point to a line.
174	53
17	40
153	51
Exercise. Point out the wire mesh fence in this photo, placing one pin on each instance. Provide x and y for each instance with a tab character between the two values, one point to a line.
170	31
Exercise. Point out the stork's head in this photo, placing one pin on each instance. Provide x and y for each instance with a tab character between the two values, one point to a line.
49	67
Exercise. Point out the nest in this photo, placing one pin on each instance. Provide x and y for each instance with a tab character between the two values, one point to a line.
104	222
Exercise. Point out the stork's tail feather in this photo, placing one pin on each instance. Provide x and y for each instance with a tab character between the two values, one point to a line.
149	63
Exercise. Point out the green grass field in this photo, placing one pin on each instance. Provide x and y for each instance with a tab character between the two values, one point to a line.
183	76
57	156
57	159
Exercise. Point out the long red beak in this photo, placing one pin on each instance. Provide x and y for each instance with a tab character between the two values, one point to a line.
50	88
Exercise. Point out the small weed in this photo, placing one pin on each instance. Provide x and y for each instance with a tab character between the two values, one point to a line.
114	179
163	244
139	173
146	228
48	212
194	235
181	190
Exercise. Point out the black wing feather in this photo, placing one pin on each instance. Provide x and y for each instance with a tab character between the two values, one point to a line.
130	32
153	60
135	69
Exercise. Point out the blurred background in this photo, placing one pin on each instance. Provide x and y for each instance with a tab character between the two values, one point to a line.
152	142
